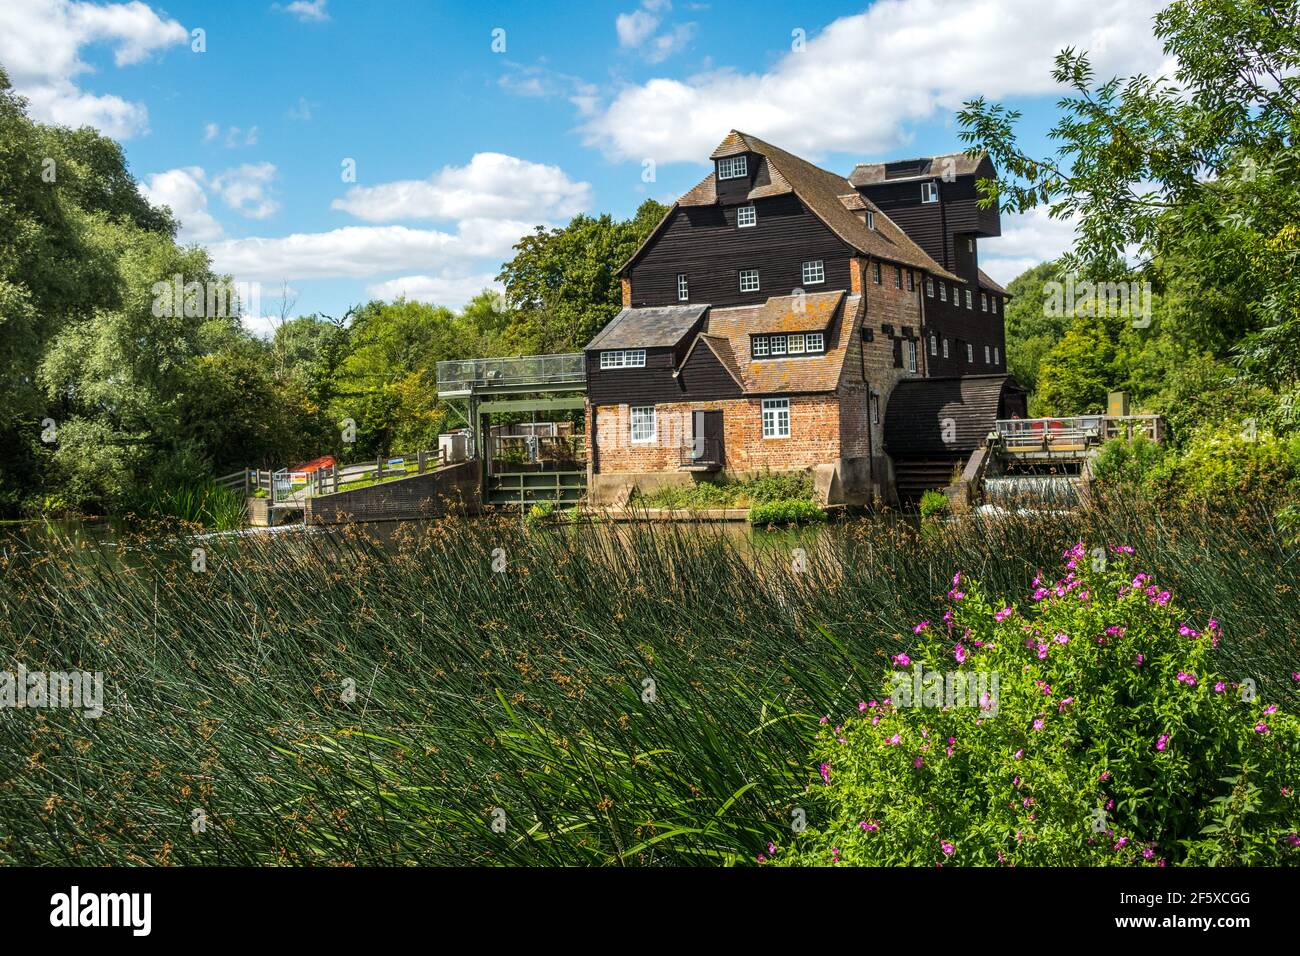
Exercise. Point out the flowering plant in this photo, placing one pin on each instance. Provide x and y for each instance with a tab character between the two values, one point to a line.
1086	728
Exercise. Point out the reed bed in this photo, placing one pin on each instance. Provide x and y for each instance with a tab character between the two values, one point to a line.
576	695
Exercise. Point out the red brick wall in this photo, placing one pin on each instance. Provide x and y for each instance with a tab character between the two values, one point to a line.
900	308
814	436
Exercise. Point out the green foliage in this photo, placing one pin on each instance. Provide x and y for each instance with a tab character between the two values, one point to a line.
1108	739
786	511
563	284
1226	466
206	505
1127	462
743	493
935	504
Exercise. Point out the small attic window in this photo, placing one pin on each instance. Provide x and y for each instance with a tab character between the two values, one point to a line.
929	192
871	219
733	167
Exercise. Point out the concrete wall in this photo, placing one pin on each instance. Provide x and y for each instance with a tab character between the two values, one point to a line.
455	487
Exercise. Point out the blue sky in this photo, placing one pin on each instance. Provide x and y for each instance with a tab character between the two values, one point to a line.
459	146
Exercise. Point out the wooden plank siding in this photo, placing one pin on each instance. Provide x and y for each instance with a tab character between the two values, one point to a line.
703	378
704	243
960	325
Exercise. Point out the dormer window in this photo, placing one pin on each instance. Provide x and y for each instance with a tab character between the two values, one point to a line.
746	216
733	167
929	192
871	219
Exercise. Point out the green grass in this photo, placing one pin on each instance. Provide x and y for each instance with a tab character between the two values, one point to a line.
523	689
390	474
730	494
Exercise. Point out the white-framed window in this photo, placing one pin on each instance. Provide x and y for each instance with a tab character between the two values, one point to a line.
929	192
683	288
748	280
970	300
623	358
945	348
758	347
997	357
934	344
732	167
984	302
778	344
814	342
994	303
875	408
909	346
871	219
970	352
794	344
776	418
642	418
943	292
929	287
898	277
813	272
970	245
911	281
746	216
988	357
875	273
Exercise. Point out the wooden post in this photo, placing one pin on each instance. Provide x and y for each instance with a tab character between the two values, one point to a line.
379	468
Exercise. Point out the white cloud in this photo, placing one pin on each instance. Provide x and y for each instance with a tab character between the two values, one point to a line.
233	137
451	291
303	111
245	189
41	43
637	31
362	251
307	11
183	190
635	28
1027	239
864	79
491	186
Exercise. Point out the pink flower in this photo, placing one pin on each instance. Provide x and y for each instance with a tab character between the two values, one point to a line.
895	740
1138	659
1104	776
1002	615
1162	742
826	772
960	654
871	827
1042	652
835	854
1262	728
1148	853
902	660
918	762
947	848
1020	753
1218	687
1060	708
1271	709
824	720
920	627
1038	724
1062	639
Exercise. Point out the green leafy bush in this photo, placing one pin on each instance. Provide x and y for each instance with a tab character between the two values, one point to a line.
935	504
1227	465
1121	462
731	494
788	511
1106	738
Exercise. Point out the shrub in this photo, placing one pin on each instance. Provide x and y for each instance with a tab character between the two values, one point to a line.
935	504
1230	464
731	494
1123	462
786	511
1106	739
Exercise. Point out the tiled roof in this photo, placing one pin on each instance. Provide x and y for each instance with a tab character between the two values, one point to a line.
779	172
925	167
835	314
649	327
987	283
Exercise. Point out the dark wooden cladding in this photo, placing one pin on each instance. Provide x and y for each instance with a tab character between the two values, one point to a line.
704	243
960	325
702	378
940	227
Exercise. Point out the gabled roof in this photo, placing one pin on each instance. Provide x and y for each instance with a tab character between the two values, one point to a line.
925	167
721	349
987	283
834	314
779	173
650	327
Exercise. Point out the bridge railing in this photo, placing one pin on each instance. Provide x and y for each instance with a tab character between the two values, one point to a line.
540	370
1076	429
